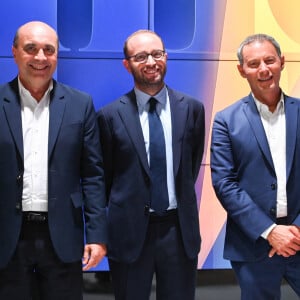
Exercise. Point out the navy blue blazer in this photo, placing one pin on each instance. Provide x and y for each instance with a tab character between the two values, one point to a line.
127	172
75	173
244	178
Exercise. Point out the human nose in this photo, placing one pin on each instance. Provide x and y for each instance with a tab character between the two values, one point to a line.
263	66
40	54
150	59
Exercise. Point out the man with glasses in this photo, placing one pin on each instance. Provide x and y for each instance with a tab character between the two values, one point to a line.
152	141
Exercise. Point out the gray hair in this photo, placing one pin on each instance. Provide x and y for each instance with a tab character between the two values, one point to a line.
259	37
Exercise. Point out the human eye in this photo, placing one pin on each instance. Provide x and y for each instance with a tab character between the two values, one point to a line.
270	61
157	54
30	49
253	64
141	57
49	50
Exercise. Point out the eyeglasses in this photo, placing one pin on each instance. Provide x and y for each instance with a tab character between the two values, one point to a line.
143	56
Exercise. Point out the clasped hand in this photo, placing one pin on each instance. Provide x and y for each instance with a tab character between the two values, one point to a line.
285	240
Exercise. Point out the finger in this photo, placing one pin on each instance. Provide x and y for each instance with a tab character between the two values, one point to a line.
272	252
86	267
92	262
86	255
286	252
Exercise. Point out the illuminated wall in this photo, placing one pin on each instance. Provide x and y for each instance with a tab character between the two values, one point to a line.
201	39
243	18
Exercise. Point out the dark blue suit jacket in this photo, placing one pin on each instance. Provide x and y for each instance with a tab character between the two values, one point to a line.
244	177
127	172
75	174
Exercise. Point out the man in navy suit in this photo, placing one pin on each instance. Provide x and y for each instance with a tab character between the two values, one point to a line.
52	181
143	241
255	164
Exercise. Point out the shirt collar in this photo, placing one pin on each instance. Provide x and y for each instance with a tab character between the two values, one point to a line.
26	97
143	98
264	109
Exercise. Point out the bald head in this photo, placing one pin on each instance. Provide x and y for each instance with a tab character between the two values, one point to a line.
35	50
140	33
36	26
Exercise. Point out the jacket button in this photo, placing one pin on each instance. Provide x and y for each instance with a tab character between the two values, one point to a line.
273	211
273	186
18	205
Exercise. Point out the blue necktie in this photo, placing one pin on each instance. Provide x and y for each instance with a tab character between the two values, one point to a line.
158	169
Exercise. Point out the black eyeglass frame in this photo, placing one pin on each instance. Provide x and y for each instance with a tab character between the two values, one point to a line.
152	54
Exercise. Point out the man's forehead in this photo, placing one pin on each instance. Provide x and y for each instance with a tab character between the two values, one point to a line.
38	32
139	37
144	40
38	40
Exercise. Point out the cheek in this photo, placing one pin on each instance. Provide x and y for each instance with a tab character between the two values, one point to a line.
53	60
53	63
249	73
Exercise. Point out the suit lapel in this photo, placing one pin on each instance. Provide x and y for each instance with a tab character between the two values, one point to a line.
12	109
179	113
291	115
56	112
128	112
129	115
258	129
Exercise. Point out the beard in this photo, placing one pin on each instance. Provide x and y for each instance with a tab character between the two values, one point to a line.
143	81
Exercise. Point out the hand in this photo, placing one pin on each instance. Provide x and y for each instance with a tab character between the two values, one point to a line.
93	254
285	240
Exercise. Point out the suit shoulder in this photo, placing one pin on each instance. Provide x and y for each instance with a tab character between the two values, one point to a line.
114	105
292	99
69	90
185	97
233	107
9	89
4	87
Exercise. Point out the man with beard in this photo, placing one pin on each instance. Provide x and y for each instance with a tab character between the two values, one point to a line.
152	156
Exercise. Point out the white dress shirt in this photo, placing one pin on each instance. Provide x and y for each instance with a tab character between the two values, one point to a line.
164	112
275	129
35	128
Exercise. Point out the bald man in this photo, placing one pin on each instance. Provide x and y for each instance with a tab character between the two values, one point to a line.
51	183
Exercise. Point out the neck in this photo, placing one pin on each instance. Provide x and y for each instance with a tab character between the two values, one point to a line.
151	90
36	91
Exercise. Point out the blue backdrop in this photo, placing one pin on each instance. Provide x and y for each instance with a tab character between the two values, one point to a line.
92	33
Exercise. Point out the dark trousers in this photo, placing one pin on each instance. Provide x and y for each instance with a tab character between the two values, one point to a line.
35	272
261	280
163	255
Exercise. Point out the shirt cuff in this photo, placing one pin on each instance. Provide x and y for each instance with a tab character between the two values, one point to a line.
267	231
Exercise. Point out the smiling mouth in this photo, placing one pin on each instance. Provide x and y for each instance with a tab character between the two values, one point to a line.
265	79
39	68
152	72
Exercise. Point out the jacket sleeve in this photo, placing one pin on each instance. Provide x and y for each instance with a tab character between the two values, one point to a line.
92	179
231	174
